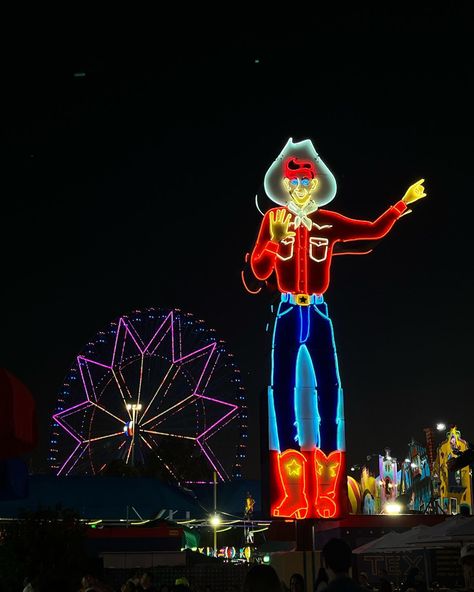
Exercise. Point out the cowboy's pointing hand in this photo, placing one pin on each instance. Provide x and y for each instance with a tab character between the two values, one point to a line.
414	192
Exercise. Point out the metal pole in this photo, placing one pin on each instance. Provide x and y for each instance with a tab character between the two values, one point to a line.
134	417
215	512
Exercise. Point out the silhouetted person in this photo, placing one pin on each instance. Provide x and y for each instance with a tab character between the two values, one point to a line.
467	563
384	582
337	557
261	578
297	583
30	584
146	582
322	580
364	581
129	586
413	580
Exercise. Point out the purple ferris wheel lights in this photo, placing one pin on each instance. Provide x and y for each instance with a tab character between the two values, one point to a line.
158	381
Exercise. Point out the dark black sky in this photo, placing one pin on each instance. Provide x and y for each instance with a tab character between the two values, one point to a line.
134	186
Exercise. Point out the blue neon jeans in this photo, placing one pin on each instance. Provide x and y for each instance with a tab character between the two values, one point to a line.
306	406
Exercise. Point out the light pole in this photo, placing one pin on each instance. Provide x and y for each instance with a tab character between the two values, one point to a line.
215	518
215	522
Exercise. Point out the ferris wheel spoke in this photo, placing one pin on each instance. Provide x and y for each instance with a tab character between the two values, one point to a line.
212	455
146	442
129	451
207	350
119	444
119	419
68	428
77	460
158	456
104	437
167	411
167	322
71	456
168	434
119	386
212	463
173	411
125	330
211	373
124	382
223	424
140	380
71	410
135	336
159	388
216	423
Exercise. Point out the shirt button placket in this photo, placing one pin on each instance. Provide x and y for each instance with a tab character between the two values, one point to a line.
302	260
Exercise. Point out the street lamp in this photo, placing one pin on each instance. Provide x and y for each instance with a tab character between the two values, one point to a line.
440	427
215	521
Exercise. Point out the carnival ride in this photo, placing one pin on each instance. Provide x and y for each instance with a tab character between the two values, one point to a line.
157	394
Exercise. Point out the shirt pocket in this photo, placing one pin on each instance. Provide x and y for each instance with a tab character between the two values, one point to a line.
285	251
318	248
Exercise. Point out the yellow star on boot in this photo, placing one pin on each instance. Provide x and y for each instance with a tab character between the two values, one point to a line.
293	468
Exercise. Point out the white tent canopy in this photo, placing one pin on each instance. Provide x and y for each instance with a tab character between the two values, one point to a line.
454	530
377	545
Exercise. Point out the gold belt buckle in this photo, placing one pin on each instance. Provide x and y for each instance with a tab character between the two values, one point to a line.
303	299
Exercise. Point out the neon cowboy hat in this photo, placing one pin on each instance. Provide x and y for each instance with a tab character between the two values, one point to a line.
303	150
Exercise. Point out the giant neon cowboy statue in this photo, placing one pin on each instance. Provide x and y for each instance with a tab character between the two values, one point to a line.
305	399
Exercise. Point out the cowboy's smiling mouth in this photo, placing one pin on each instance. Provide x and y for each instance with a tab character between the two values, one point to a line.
300	199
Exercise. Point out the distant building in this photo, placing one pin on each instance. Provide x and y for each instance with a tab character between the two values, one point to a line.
387	481
415	478
455	487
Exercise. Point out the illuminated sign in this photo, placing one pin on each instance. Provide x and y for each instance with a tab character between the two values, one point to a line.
295	244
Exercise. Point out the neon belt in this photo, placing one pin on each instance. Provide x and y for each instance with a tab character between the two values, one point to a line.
302	299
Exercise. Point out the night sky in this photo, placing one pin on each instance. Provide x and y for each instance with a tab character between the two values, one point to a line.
128	180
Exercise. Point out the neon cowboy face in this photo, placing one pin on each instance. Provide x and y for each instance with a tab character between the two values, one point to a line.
300	188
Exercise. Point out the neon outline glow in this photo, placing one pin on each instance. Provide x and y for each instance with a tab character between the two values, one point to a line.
295	243
127	333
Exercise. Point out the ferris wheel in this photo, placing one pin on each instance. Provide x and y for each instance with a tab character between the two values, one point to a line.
154	394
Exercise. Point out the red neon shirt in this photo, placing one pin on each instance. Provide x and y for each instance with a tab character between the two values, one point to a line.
302	263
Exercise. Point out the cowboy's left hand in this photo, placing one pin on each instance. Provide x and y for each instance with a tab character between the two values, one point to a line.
414	192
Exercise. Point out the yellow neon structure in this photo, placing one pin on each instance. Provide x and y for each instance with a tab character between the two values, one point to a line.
414	192
455	487
331	468
293	468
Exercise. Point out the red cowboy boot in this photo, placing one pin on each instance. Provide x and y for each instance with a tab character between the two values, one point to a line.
330	470
292	472
277	492
311	483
